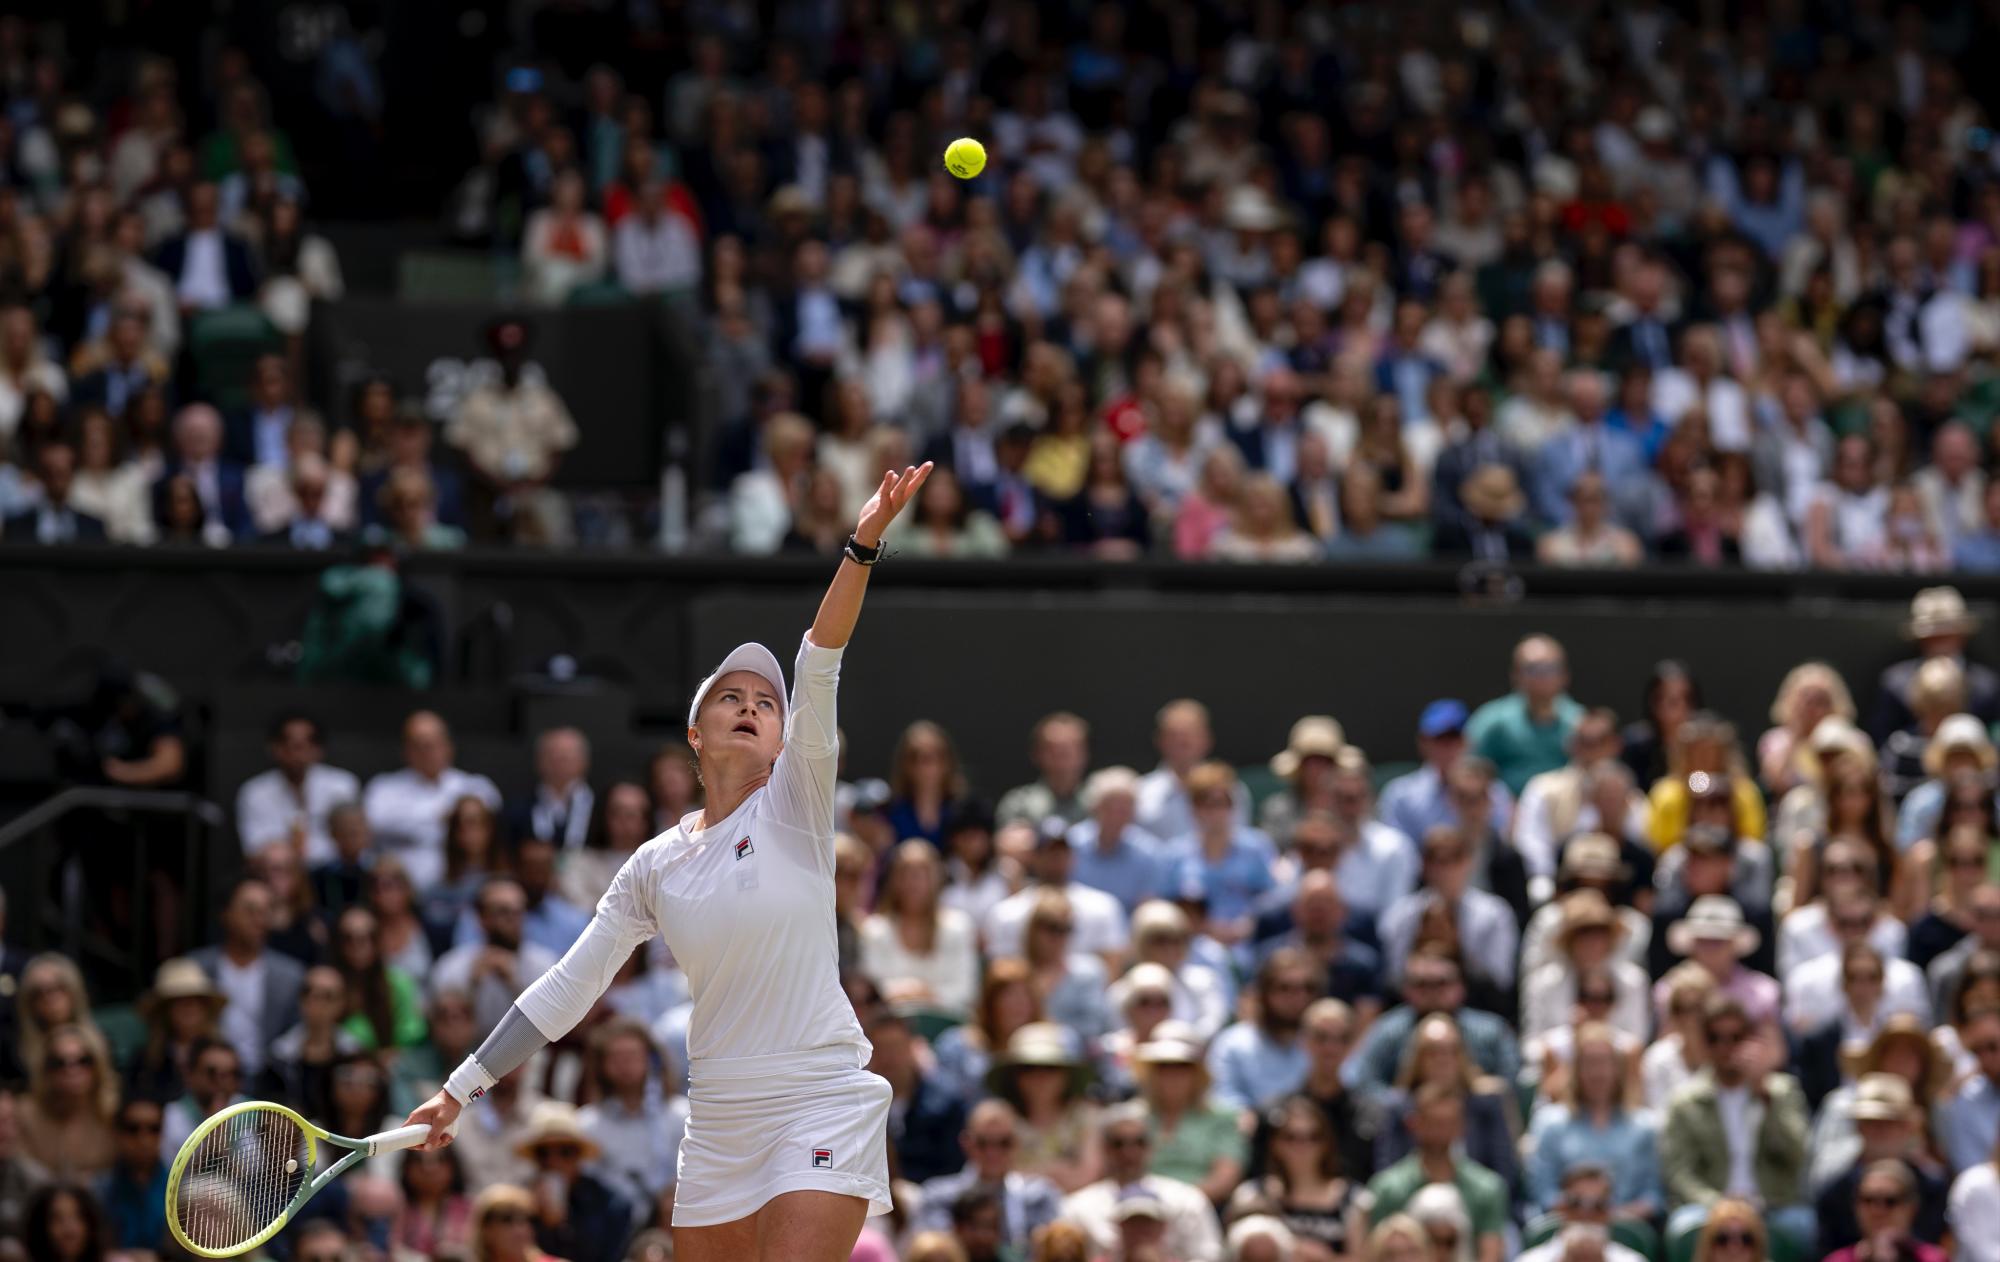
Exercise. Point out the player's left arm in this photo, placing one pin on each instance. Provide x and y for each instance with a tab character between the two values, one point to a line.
802	781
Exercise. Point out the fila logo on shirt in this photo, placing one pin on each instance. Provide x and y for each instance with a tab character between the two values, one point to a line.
744	849
822	1158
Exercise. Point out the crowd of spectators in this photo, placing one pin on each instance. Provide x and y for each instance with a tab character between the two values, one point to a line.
1573	985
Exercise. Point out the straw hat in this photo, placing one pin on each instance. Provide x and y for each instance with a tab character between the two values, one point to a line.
1173	1043
555	1122
1837	735
1493	493
1903	1030
1593	856
1712	918
1883	1098
1587	909
1042	1044
182	979
1959	732
1314	736
1939	611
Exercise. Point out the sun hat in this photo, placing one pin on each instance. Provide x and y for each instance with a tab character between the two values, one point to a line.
1712	918
555	1122
1587	909
1882	1098
182	979
1314	736
1959	732
752	657
1939	611
1039	1044
1592	856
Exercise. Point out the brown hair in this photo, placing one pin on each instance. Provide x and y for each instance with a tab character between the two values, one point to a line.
999	976
900	782
907	854
1211	777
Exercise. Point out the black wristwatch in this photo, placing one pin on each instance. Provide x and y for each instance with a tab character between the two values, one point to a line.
860	553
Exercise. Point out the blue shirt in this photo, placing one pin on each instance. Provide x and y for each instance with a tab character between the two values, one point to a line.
1979	553
1232	882
1415	803
1129	871
136	1212
1248	1070
1968	1123
1628	1148
553	924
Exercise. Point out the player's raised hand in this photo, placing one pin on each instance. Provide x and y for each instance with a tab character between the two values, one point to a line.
897	490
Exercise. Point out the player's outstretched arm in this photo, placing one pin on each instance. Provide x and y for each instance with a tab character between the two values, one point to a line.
841	606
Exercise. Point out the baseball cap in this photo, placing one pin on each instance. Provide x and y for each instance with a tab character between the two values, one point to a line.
1138	1201
754	658
1439	717
1054	829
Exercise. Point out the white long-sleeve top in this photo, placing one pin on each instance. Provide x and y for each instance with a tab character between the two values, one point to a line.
746	906
950	971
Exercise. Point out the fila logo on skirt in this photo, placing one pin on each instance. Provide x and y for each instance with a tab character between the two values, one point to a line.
822	1158
744	849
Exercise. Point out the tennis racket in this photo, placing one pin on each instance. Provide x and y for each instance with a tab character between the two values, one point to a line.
244	1172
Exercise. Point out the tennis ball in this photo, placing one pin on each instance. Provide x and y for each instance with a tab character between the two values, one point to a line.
292	1166
965	157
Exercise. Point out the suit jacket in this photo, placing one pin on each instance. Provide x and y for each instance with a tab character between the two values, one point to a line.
1694	1148
1892	697
21	527
237	262
229	478
1628	347
1456	463
283	976
942	450
1568	456
517	817
1455	537
450	488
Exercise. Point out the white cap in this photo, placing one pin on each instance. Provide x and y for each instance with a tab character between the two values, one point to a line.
754	658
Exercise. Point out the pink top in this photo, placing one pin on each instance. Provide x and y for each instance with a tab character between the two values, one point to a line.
1757	992
874	1247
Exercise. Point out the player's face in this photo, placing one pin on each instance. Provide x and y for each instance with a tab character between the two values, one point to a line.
741	715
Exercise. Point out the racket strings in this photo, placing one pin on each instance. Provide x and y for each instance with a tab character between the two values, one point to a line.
237	1184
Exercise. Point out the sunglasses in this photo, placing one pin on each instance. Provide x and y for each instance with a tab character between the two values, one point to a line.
1846	869
1056	926
1735	1240
1881	1200
1869	976
1299	1137
1127	1141
1444	856
561	1152
1597	998
139	1128
1589	1205
1728	1038
506	1217
1974	861
55	1063
993	1143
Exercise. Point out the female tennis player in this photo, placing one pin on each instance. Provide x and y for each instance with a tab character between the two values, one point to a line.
786	1149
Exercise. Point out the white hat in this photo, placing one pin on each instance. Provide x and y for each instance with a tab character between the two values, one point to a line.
1712	918
1960	732
754	658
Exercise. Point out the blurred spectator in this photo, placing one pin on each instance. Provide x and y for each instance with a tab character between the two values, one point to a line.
1589	537
1228	863
927	787
437	1212
1886	1115
55	520
1477	924
107	485
513	430
1885	1203
290	803
64	1224
1599	1123
563	248
1436	1124
260	433
1255	1061
1942	626
497	967
1522	734
1415	802
1028	1202
133	1192
504	1225
181	1009
1060	752
637	1119
217	481
20	1174
214	1082
299	1068
261	986
1194	1139
407	808
1432	982
915	949
1187	1218
1182	734
1715	1146
578	1217
656	248
210	267
925	1117
561	806
383	1008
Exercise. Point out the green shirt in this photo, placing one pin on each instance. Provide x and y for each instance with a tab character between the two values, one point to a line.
1502	733
1191	1149
406	1016
1485	1195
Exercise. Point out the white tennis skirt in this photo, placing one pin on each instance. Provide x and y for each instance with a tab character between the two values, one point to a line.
761	1126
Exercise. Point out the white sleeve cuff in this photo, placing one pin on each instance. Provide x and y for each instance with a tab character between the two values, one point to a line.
468	1082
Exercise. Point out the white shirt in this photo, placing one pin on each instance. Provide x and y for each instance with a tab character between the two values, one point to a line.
1548	995
1663	1070
642	1146
204	278
1191	1234
1381	868
746	906
1813	996
1676	390
1804	935
573	813
1486	932
655	256
242	1021
1100	921
1741	1116
267	808
1538	940
407	813
1552	1251
950	972
1973	1210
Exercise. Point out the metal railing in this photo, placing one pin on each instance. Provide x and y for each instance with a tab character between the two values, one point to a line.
46	856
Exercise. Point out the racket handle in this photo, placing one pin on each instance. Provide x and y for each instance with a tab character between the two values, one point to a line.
397	1140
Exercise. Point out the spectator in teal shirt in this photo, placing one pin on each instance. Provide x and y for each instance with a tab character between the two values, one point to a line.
134	1190
1523	733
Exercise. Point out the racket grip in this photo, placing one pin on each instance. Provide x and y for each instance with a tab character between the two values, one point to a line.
397	1140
